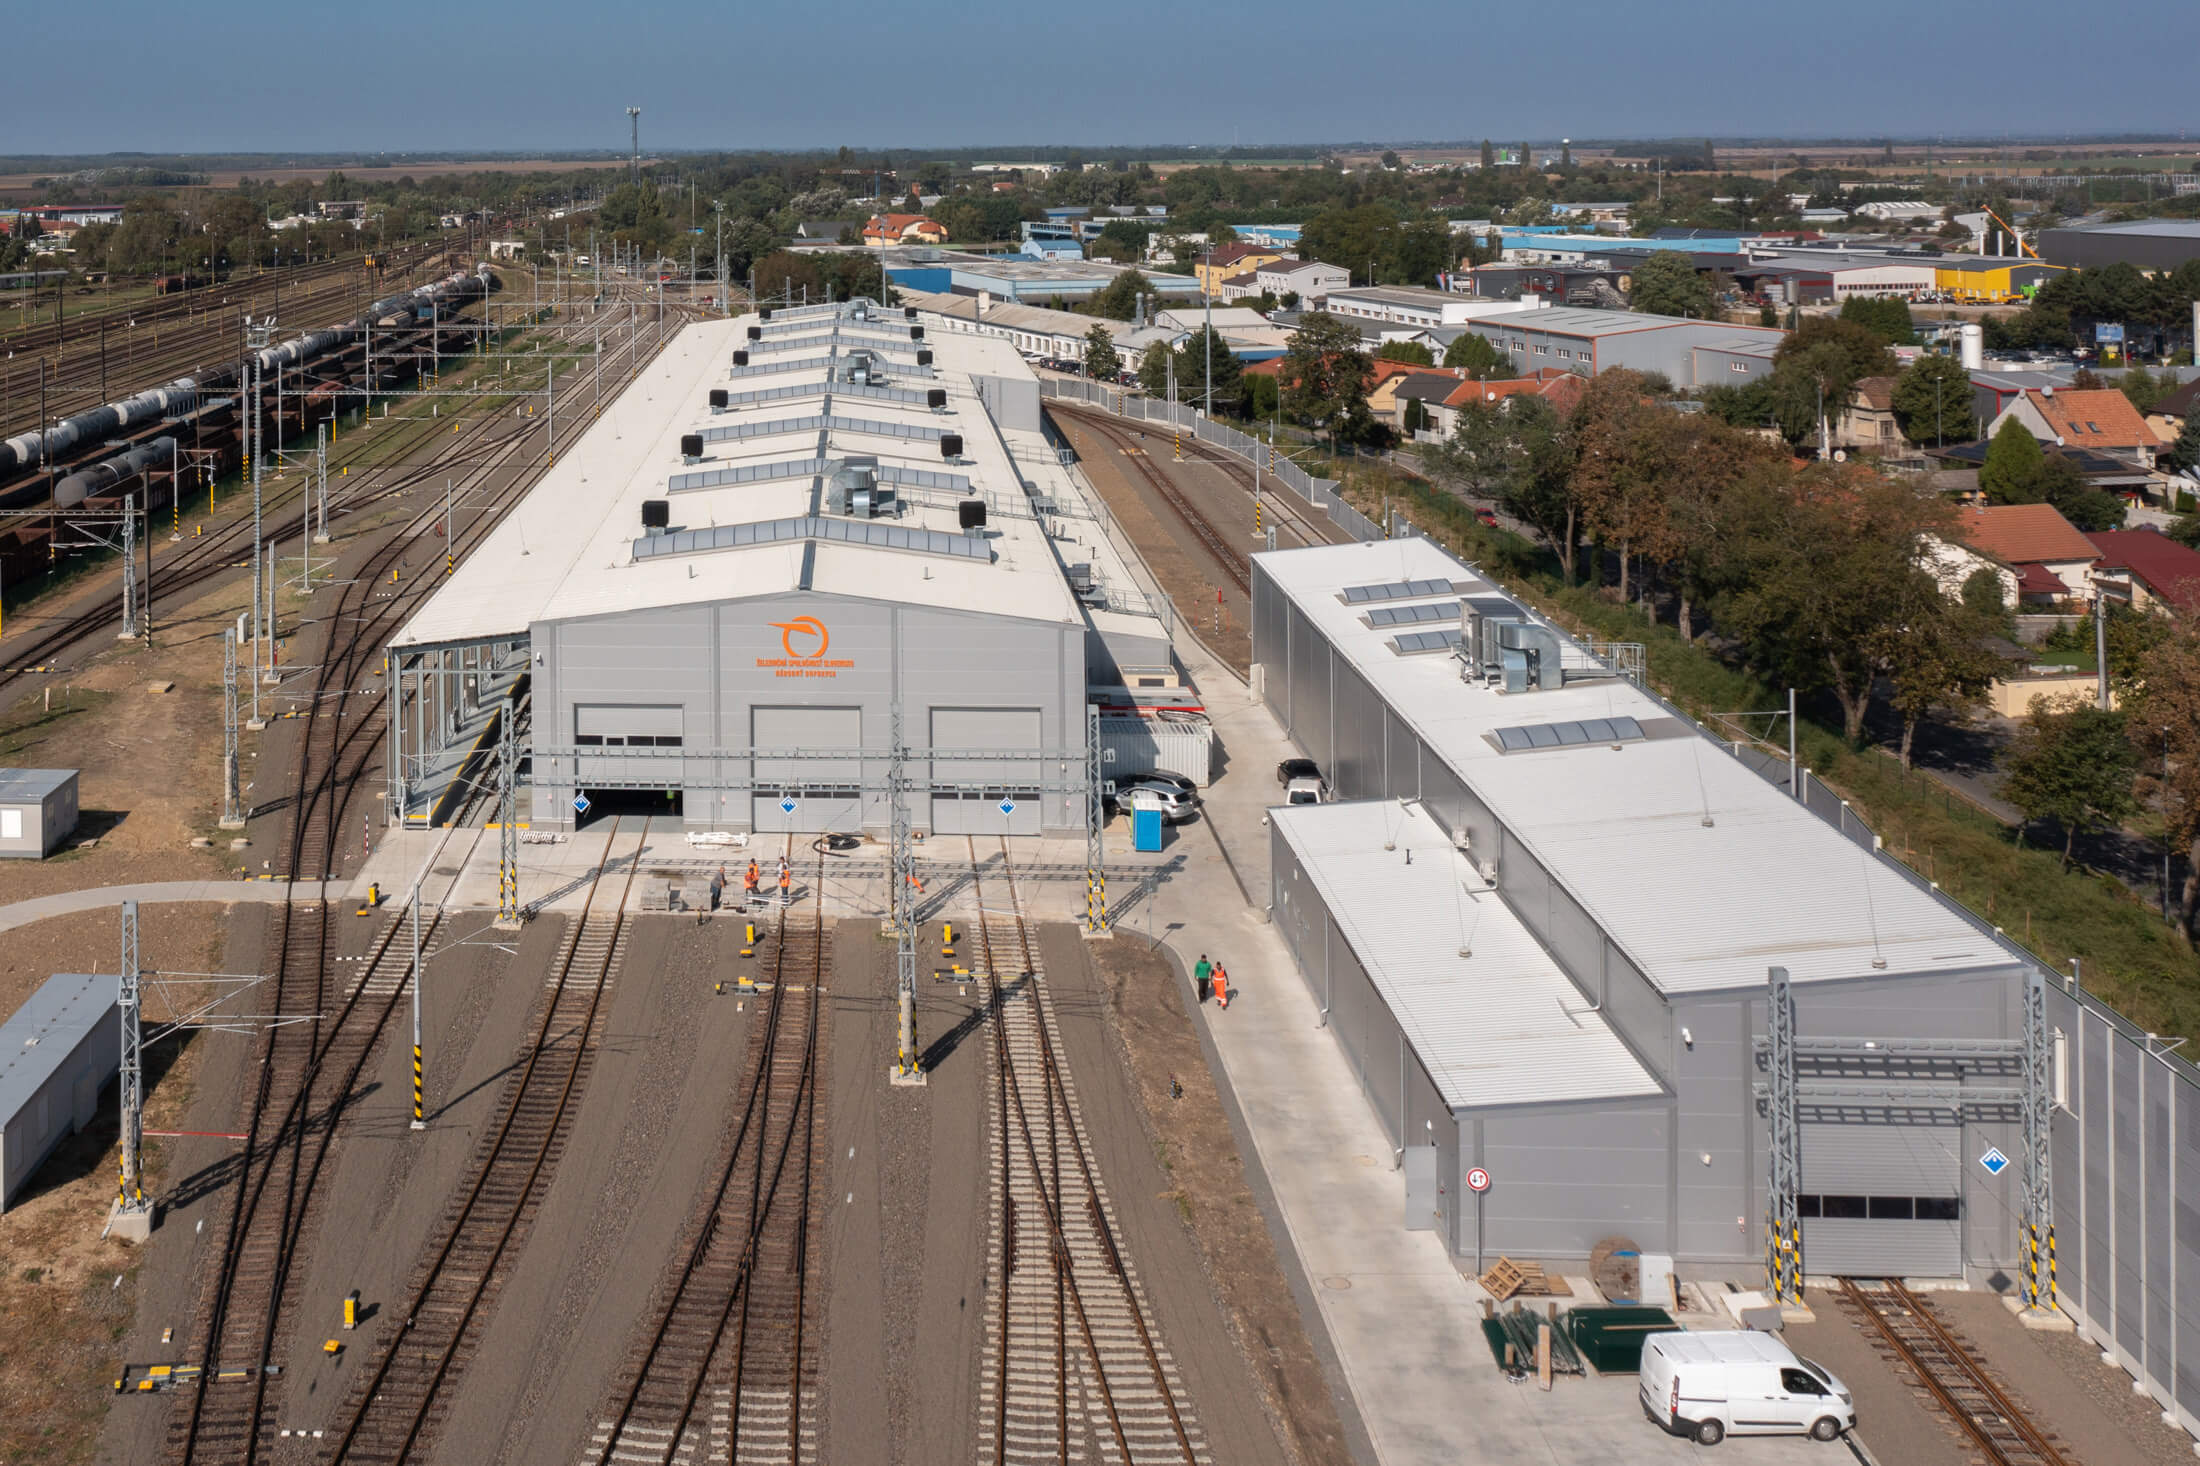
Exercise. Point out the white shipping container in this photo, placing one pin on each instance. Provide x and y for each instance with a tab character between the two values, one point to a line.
1166	743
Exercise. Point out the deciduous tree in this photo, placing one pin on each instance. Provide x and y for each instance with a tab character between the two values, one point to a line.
2165	727
1932	400
2012	467
1102	361
1481	360
1118	299
1412	352
1326	376
1666	284
2072	763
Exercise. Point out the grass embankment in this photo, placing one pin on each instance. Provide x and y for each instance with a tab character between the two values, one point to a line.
2129	956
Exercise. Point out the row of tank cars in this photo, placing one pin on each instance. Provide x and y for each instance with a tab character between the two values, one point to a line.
192	427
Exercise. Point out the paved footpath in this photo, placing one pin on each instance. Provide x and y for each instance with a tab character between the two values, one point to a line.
100	898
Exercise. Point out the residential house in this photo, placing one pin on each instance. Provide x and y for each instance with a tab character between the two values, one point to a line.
2146	570
1562	389
1429	387
1383	402
2101	419
2168	417
1227	262
2052	561
1310	280
1868	424
882	230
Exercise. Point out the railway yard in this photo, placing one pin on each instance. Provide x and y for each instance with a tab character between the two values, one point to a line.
596	1159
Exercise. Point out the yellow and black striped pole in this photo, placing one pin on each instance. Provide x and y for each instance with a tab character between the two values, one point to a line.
419	1109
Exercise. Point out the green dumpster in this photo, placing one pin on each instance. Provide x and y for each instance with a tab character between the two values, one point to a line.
1610	1339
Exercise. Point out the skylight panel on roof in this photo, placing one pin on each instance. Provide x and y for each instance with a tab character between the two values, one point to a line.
1420	643
1529	737
745	473
814	527
1396	590
1411	615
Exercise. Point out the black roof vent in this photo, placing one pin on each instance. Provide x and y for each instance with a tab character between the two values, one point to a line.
756	333
970	513
935	398
740	358
909	312
765	314
916	333
691	446
717	399
951	445
656	513
924	357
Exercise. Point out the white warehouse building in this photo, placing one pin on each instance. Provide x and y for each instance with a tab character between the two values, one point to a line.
794	542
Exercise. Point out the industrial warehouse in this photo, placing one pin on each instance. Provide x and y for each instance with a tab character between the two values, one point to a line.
1550	922
798	533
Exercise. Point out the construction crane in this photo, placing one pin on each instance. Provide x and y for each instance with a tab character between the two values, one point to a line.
2011	230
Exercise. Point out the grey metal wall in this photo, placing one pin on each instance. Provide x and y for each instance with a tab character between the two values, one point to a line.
2127	1198
60	1106
1704	1210
719	663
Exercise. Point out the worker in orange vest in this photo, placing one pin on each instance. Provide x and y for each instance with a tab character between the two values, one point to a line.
786	879
1222	986
748	883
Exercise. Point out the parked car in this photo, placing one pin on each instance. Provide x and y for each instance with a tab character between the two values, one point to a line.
1297	768
1303	791
1178	803
1486	517
1713	1384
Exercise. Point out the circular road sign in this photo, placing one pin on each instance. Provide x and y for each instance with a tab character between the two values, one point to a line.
1478	1180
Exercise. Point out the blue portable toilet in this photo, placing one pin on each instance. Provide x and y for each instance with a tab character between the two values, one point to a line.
1146	823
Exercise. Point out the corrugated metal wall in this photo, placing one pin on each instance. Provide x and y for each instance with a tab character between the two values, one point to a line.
2127	1198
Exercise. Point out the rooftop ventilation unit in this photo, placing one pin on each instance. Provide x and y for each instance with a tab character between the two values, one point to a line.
951	447
717	399
764	314
924	357
908	312
916	333
756	333
1522	655
970	514
861	311
740	358
936	398
691	446
855	489
656	515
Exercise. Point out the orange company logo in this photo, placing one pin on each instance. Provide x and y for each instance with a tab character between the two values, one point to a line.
804	640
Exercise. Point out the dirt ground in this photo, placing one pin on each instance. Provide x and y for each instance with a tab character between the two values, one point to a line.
2058	1378
67	1296
1183	1120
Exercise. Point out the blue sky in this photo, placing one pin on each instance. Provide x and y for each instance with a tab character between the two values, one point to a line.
551	74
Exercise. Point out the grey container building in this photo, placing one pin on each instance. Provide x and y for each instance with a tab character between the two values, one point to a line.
2150	244
1567	986
37	811
1585	340
56	1054
784	535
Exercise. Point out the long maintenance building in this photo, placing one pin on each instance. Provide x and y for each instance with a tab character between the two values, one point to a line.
797	540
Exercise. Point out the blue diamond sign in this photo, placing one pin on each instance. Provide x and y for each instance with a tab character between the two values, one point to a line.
786	804
580	804
1994	1161
1008	806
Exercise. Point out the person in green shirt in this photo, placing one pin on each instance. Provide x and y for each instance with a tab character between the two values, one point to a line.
1201	976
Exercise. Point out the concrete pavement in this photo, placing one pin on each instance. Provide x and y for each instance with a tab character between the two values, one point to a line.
147	893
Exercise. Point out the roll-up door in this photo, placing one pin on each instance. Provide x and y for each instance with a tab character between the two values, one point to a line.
807	795
1881	1198
986	796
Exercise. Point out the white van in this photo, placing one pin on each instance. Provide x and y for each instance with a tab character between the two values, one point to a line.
1740	1382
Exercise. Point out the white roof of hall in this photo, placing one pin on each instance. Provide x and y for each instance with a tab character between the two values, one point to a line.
1487	1024
568	549
1702	872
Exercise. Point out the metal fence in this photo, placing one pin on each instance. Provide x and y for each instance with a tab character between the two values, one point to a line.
2125	1158
1319	492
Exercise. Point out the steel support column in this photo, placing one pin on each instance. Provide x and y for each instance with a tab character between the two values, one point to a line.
1783	1219
130	1191
2039	1119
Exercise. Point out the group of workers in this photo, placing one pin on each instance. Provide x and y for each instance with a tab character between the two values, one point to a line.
751	880
1209	977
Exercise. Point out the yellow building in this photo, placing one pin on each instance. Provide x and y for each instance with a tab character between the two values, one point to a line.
1229	262
1990	277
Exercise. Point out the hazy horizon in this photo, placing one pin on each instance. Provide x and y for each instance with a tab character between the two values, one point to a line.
411	78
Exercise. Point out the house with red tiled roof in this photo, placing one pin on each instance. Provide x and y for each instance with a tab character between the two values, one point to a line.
2046	560
1555	385
879	231
2146	570
2100	419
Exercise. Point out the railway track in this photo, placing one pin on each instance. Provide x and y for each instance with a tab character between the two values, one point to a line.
1233	560
394	1408
1907	1328
310	1068
729	1369
1072	1369
206	557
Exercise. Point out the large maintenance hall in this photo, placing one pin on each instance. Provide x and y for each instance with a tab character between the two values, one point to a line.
811	555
